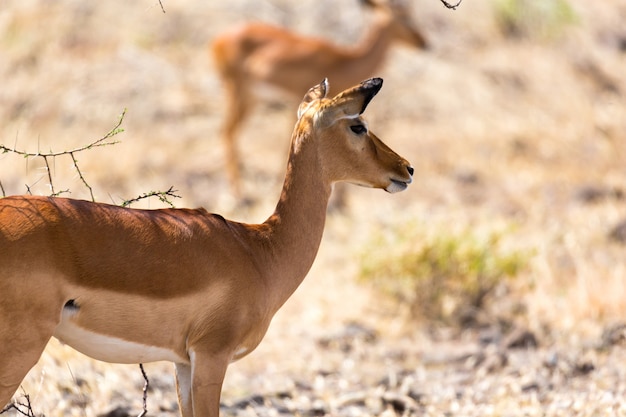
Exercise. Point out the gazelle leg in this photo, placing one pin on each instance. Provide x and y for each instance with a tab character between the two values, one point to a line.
207	376
236	112
20	349
183	388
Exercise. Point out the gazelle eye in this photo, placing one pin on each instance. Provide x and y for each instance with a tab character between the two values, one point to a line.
358	129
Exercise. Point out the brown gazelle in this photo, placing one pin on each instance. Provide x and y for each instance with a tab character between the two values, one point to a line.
259	54
128	285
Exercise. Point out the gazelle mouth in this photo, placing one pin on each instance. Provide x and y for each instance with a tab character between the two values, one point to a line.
397	186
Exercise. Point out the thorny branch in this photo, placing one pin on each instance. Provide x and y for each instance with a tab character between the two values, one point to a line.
161	195
80	175
100	142
50	157
28	412
103	141
451	6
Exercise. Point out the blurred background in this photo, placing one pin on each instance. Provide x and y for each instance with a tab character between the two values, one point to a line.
495	285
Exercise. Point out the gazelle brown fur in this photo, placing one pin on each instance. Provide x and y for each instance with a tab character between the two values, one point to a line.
128	285
260	54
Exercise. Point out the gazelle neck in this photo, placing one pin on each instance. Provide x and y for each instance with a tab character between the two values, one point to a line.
297	224
374	46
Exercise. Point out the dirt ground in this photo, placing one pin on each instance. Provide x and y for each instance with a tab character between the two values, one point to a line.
524	133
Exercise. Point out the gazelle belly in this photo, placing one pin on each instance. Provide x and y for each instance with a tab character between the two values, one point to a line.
107	348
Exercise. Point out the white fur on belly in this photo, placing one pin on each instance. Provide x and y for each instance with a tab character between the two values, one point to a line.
107	348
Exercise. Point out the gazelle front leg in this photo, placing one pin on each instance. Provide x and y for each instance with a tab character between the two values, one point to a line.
200	385
237	110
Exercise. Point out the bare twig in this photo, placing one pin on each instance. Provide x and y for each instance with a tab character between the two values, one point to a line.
451	6
80	175
97	143
58	193
49	172
162	8
18	406
4	194
83	397
145	391
103	141
161	195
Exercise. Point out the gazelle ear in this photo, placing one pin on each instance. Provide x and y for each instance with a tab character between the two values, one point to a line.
315	93
353	101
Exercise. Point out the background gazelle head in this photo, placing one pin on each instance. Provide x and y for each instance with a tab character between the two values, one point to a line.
353	153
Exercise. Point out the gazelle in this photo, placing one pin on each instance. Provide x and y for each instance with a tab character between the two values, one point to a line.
128	285
257	53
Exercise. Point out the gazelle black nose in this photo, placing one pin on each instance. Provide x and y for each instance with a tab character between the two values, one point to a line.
410	169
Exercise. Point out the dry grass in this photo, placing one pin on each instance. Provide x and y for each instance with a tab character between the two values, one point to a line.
502	132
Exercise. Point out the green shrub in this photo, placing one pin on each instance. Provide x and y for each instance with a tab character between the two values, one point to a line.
442	276
533	18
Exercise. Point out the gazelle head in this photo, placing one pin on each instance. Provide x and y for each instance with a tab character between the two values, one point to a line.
347	150
403	27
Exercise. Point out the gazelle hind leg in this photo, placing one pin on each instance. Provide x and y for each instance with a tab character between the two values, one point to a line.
19	352
28	318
